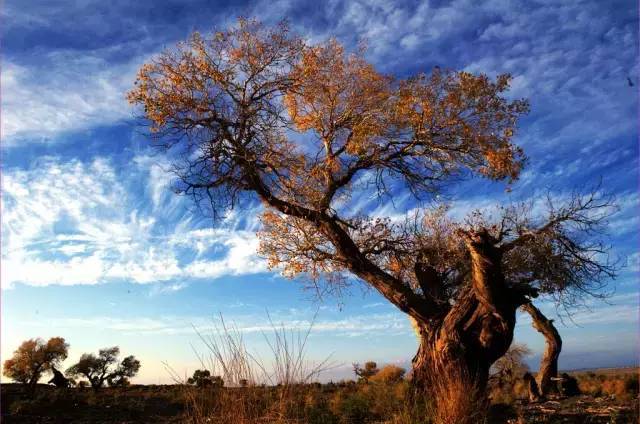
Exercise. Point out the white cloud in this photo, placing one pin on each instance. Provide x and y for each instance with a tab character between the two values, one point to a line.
73	223
633	262
352	326
66	91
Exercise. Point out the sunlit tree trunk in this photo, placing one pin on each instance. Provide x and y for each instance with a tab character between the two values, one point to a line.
457	350
549	362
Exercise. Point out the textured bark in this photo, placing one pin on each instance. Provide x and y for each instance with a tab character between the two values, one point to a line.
532	387
463	342
549	362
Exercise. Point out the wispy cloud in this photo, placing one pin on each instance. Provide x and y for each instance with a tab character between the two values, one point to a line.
351	326
65	91
74	223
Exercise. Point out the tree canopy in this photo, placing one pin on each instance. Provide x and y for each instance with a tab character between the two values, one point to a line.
33	358
105	368
257	112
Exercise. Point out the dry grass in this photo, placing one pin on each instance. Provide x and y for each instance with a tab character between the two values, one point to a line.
621	383
456	398
278	391
346	402
283	388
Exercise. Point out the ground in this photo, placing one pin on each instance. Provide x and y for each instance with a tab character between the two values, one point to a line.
609	398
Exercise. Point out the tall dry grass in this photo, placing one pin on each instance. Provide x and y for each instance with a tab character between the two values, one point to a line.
283	388
456	398
275	391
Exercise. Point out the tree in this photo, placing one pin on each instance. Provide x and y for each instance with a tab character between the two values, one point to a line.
203	378
507	371
254	112
364	374
33	358
548	372
105	368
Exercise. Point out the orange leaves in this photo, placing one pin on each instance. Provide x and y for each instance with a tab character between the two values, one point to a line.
33	357
335	91
296	246
251	84
256	110
194	80
464	116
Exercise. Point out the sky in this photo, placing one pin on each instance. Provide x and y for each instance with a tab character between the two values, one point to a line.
97	248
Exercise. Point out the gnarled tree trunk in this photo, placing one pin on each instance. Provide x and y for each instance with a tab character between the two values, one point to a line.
458	346
549	362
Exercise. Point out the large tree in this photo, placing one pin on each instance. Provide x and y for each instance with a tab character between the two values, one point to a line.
33	358
256	112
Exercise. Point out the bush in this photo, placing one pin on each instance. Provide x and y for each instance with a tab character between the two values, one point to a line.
389	374
354	408
632	386
619	385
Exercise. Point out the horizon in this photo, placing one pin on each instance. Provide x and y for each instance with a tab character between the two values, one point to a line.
96	248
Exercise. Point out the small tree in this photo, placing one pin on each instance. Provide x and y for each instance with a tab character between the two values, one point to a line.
203	378
364	374
105	367
508	371
33	358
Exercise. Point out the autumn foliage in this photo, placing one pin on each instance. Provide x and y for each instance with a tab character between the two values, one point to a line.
257	112
33	358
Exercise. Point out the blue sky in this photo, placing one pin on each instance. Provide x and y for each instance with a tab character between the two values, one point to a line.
96	248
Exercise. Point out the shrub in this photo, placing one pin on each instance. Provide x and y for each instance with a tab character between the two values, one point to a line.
354	408
632	385
389	374
364	374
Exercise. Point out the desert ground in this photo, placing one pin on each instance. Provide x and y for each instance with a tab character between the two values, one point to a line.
608	396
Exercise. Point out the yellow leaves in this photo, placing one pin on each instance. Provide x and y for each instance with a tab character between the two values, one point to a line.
333	90
33	357
194	75
295	246
502	162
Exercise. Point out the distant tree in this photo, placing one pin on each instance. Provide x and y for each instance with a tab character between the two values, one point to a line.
364	374
33	358
203	378
389	374
255	112
200	378
507	371
511	366
105	368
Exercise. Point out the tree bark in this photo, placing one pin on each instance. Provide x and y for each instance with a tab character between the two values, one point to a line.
458	348
532	387
549	362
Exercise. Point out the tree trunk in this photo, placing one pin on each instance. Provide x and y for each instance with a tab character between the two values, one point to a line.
549	362
532	387
458	348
